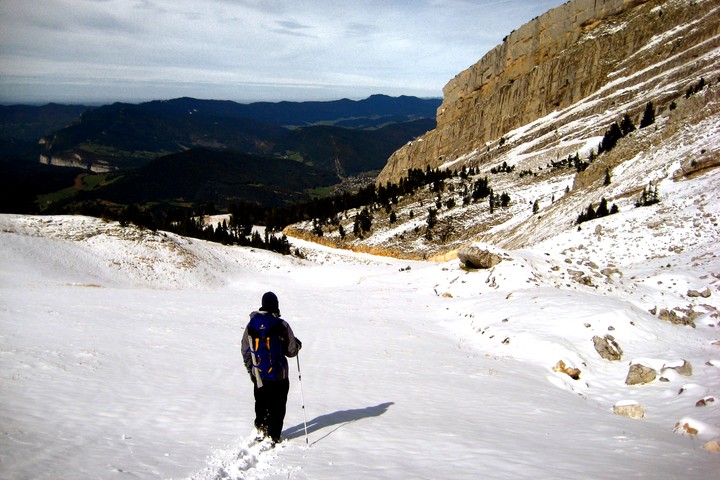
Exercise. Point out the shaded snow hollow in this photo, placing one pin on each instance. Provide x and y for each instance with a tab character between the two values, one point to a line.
120	356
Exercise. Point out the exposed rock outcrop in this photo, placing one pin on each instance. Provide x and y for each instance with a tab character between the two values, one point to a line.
599	49
695	294
76	161
672	316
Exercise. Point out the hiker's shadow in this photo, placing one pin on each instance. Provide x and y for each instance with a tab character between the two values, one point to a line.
341	418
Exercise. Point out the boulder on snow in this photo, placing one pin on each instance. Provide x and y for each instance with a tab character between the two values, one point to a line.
712	446
685	369
685	428
639	374
572	372
695	164
673	317
475	256
629	409
607	347
610	271
695	294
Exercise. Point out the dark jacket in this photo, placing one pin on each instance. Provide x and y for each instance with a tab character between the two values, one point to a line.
290	344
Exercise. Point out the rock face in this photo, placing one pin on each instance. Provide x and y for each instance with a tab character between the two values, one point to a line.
584	48
76	161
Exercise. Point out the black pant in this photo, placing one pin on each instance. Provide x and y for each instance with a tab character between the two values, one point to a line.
270	403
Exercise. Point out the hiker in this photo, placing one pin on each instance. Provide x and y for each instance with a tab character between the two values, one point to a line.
267	341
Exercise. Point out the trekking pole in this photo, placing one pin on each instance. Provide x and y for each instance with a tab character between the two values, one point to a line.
302	399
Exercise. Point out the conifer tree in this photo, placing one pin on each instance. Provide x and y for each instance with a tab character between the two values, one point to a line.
649	116
588	214
602	210
626	125
317	228
504	200
362	223
610	139
649	196
432	218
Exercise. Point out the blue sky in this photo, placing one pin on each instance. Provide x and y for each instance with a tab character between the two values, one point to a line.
96	51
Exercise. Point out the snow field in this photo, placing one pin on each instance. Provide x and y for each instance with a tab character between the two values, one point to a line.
107	372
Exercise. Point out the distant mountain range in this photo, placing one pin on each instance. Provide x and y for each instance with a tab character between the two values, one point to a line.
373	111
329	140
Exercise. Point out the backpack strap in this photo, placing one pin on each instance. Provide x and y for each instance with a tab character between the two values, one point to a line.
255	371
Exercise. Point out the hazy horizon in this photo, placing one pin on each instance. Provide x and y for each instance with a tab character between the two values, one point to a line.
42	103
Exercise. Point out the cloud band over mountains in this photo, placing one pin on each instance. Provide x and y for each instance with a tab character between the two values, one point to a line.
134	50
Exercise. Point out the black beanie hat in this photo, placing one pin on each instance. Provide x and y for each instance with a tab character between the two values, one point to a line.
270	303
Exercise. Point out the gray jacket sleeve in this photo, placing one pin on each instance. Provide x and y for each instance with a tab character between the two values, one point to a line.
245	348
291	345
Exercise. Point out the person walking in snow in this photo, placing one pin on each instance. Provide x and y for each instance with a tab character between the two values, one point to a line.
267	342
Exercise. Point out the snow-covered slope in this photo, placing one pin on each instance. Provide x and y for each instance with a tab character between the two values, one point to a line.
119	354
546	192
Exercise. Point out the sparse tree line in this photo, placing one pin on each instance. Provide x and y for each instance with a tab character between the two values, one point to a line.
649	196
626	126
189	223
610	139
614	133
386	197
602	210
242	217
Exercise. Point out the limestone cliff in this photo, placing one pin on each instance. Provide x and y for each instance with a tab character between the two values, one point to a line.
609	49
75	160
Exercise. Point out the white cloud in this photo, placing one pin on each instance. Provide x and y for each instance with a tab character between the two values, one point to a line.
349	47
